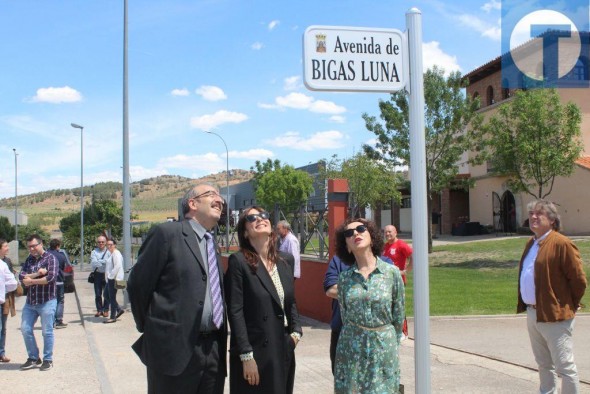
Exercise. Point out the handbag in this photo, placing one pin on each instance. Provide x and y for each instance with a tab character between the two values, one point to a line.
120	284
92	275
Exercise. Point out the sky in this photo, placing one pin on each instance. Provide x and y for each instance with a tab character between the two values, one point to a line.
228	66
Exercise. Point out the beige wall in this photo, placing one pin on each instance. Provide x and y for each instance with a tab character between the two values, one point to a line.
405	219
572	200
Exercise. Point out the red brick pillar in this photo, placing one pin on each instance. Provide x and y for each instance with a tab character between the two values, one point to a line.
337	209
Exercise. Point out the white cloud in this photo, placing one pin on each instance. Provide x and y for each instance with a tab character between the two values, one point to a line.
206	162
180	92
326	107
302	101
492	5
137	173
57	95
486	29
331	139
432	55
211	93
210	121
252	154
292	83
295	100
257	46
337	119
273	24
269	106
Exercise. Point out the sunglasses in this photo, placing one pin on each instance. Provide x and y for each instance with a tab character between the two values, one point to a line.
262	215
361	228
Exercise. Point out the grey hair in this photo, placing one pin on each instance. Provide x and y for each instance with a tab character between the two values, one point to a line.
549	208
285	224
190	194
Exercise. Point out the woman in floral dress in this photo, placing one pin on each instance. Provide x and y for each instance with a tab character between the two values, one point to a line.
371	296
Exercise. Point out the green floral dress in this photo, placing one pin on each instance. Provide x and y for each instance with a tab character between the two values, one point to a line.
367	360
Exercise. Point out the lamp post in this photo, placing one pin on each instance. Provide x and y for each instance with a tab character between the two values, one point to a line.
226	189
77	126
15	202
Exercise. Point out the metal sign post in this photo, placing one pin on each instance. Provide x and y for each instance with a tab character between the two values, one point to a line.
419	204
385	60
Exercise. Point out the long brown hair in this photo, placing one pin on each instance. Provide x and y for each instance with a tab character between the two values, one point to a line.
246	247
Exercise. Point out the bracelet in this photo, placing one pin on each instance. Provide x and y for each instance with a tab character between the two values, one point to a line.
247	356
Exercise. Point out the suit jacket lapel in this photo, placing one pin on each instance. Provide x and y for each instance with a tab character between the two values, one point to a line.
266	281
191	240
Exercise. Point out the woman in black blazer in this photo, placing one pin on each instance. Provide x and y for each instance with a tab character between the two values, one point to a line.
261	308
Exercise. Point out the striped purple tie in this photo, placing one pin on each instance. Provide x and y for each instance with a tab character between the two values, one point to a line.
214	282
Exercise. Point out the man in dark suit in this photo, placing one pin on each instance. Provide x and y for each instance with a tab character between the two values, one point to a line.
176	296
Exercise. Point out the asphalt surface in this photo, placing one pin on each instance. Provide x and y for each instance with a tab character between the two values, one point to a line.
493	354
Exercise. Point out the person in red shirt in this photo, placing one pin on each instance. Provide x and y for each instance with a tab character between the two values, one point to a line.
401	255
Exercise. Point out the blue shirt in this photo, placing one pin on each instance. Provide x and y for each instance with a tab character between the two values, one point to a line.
61	262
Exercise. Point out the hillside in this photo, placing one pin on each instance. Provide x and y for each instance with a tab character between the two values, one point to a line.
153	199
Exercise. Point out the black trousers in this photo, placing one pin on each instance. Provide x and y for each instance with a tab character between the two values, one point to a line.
333	343
204	373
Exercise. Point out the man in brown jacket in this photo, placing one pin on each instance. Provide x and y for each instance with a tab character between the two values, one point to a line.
551	284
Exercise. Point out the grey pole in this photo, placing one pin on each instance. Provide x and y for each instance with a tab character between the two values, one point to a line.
226	189
126	189
419	203
16	203
77	126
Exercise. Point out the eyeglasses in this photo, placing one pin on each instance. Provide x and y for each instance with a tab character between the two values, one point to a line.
33	246
262	215
110	244
100	242
208	193
361	228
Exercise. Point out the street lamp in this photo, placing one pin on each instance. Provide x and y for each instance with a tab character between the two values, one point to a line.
226	189
15	203
77	126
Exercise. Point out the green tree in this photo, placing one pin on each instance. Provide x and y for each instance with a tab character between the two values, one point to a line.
532	139
260	168
6	229
452	127
371	182
104	216
283	185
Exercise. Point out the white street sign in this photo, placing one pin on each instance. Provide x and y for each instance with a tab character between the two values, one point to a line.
339	58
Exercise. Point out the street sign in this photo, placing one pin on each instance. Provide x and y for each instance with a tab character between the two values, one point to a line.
339	58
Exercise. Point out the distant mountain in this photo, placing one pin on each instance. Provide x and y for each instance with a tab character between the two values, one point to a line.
153	199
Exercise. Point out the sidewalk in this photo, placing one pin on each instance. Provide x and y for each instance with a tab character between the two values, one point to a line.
93	357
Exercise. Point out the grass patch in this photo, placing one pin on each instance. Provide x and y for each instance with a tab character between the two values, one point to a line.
479	278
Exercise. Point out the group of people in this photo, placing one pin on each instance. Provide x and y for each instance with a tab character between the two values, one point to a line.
184	305
106	261
40	275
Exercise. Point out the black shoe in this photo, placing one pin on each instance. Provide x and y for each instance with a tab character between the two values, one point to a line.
121	311
60	325
47	365
31	363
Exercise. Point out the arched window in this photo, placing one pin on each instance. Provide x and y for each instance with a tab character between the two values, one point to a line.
490	95
505	89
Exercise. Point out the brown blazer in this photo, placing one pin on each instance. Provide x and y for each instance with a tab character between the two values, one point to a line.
560	281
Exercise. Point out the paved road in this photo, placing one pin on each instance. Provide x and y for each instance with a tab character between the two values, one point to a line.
92	357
